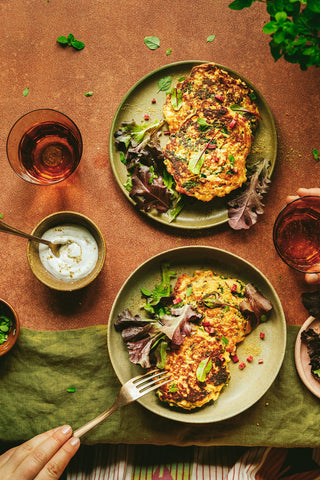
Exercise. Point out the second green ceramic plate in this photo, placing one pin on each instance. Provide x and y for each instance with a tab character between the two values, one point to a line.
138	102
246	386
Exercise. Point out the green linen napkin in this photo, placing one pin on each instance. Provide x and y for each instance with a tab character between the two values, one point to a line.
53	378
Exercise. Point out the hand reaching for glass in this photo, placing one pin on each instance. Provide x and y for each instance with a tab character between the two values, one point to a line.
44	456
311	278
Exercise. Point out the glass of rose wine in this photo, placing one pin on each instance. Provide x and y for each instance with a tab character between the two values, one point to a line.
44	147
296	234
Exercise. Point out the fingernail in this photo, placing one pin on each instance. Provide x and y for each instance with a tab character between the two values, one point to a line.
312	278
74	441
66	429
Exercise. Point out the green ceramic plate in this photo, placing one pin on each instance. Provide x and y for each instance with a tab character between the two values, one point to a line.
138	102
246	386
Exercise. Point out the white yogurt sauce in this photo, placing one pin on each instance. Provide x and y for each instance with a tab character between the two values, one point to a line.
77	257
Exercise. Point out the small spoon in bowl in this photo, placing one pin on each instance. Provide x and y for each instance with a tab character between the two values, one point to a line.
54	247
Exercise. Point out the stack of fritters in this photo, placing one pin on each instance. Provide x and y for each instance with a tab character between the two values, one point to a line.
222	327
210	134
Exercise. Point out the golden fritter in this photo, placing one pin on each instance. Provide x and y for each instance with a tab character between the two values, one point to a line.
207	155
217	298
222	327
208	82
186	390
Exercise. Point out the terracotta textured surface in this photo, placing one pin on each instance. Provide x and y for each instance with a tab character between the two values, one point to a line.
113	59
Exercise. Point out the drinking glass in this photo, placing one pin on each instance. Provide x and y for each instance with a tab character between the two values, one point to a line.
296	234
44	147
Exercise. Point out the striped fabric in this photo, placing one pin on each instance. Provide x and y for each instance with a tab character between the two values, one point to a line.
141	462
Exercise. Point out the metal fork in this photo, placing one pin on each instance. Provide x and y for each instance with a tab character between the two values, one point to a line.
129	392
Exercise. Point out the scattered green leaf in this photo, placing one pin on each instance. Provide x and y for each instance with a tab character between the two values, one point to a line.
315	154
88	94
71	389
169	51
164	84
25	92
210	38
152	42
70	41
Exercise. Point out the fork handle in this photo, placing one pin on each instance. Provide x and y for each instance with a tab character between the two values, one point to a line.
95	421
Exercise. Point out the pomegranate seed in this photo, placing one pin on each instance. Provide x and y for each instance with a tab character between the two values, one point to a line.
262	335
242	365
147	117
176	300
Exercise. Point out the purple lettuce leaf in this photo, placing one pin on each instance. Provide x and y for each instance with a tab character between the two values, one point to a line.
125	320
149	191
255	305
245	207
176	326
139	352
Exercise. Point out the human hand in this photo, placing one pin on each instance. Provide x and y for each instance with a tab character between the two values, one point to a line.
303	192
42	457
311	278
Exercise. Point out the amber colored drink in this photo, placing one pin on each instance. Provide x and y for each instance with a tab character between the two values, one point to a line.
44	147
49	152
296	234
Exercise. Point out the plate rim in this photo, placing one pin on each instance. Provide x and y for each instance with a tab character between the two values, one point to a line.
172	65
314	388
282	326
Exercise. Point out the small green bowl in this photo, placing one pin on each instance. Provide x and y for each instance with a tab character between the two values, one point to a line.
8	311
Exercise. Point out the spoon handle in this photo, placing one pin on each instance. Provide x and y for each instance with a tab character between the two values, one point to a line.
14	231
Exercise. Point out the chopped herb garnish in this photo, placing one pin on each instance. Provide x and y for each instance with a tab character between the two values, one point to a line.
169	51
204	368
25	92
88	94
176	98
71	389
315	154
173	388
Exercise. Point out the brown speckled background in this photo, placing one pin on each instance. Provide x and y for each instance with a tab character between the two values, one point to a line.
113	60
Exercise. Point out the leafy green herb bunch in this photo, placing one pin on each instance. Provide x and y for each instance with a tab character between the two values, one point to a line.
294	28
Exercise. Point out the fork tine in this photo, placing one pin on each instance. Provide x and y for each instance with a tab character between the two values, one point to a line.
151	387
147	377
